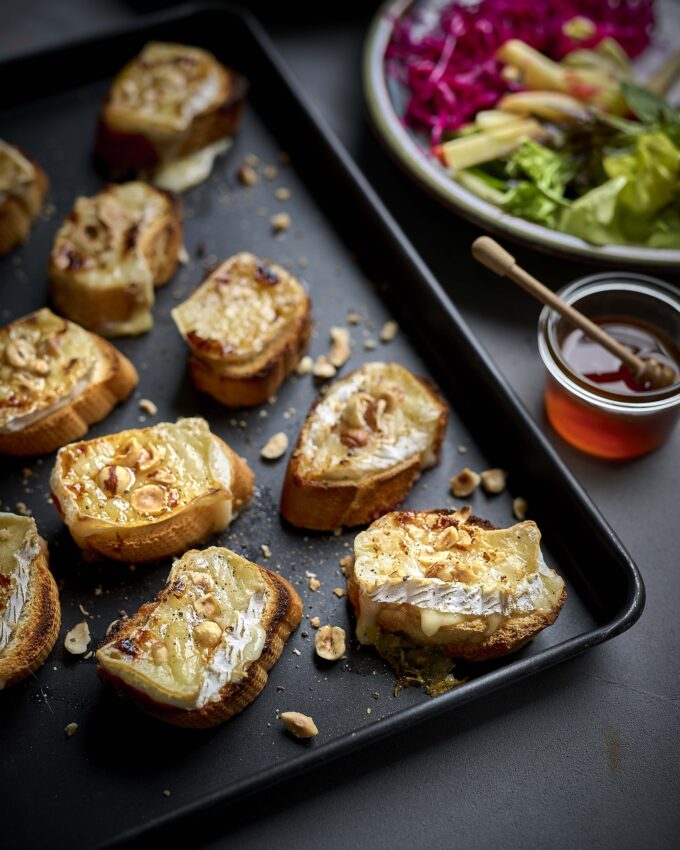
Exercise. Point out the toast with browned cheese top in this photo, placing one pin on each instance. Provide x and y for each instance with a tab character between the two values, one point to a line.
23	186
200	653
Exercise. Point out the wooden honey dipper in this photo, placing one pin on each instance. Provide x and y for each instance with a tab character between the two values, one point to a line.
647	371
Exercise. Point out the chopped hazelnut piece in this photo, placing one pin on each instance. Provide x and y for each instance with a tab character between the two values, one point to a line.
159	652
305	366
315	622
266	551
493	480
275	447
129	454
115	480
462	515
40	367
280	222
70	729
19	353
282	194
323	368
299	724
207	634
314	583
251	159
207	606
354	438
149	499
78	639
519	508
346	564
465	483
162	476
353	318
370	344
270	172
202	580
148	406
339	592
247	175
340	350
330	642
447	538
388	331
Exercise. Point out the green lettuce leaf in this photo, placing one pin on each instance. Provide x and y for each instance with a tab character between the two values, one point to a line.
652	169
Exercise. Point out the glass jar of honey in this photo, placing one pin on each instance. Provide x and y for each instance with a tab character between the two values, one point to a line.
592	400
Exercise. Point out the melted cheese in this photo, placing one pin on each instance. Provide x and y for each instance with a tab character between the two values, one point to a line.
157	472
241	310
397	415
183	174
166	657
453	574
45	362
19	547
165	88
16	172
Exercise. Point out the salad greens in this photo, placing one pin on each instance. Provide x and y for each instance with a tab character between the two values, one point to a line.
625	189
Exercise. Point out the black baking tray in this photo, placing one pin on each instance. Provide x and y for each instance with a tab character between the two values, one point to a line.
105	784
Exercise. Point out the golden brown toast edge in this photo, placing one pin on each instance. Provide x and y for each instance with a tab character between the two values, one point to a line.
18	214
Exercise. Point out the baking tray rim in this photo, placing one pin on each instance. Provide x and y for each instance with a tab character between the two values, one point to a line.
517	669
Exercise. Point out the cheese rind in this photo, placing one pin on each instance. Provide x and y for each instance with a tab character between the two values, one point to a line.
19	547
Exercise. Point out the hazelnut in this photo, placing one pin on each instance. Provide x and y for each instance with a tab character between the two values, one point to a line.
375	413
207	634
149	499
354	438
519	508
493	480
464	538
147	406
78	639
202	580
314	583
299	724
280	222
340	350
304	367
388	331
323	368
161	476
129	453
115	480
207	607
19	353
275	447
247	175
149	458
355	410
282	194
330	642
462	515
315	622
159	652
40	367
70	729
447	539
465	483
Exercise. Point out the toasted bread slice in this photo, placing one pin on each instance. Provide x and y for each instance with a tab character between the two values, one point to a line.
200	653
56	379
450	580
30	615
147	493
169	112
111	252
364	443
247	326
23	186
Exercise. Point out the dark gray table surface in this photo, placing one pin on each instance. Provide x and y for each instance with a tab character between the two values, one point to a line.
585	755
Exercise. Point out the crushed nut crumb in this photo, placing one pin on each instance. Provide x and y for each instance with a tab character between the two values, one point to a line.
353	318
315	622
167	792
299	724
340	347
370	344
23	509
493	480
83	611
148	406
323	368
305	366
280	222
247	175
339	592
519	508
275	447
389	331
266	551
270	172
314	583
70	729
282	194
78	639
330	642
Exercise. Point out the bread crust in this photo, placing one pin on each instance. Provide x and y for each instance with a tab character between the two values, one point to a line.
259	382
18	212
72	421
36	633
282	616
179	532
513	634
326	505
125	151
118	310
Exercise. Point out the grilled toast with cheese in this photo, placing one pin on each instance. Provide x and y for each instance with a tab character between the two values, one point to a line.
362	446
168	114
23	186
111	253
56	379
30	614
147	493
200	653
450	580
247	326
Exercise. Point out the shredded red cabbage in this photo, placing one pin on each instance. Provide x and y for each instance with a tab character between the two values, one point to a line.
447	63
